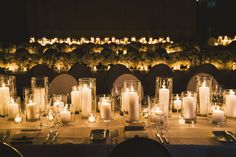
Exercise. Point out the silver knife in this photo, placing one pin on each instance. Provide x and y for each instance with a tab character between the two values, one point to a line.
47	138
230	134
54	137
167	141
160	138
6	134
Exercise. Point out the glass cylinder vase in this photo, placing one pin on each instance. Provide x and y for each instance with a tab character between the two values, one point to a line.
105	107
67	114
39	87
189	106
14	108
76	98
230	103
176	103
5	89
204	90
32	109
164	87
131	101
87	88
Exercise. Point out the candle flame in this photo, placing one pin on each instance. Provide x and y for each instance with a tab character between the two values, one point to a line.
164	84
231	92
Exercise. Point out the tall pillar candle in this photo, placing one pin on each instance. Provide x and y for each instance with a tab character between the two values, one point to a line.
105	109
189	105
204	98
164	97
4	99
75	99
86	101
132	105
230	102
39	98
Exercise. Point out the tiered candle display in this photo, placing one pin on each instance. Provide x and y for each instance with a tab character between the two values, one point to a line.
204	88
76	98
88	96
131	105
163	94
40	91
105	107
230	102
189	106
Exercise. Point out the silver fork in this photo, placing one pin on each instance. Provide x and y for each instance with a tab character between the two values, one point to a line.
6	134
54	137
47	137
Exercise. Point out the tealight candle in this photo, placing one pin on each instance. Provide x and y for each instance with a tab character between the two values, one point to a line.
91	118
18	119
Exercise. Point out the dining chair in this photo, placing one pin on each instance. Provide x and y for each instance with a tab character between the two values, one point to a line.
140	147
7	150
191	86
42	70
79	71
62	84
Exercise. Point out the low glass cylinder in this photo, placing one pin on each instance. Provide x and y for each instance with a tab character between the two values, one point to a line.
87	87
204	90
67	114
176	103
39	87
14	108
105	107
218	116
32	109
164	87
230	103
131	101
189	106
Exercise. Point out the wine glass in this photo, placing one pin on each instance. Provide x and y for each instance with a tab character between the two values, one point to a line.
146	102
162	127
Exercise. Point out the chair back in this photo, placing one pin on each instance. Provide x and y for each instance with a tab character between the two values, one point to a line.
7	150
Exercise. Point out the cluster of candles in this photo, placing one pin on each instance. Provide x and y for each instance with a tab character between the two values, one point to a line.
224	40
101	41
83	100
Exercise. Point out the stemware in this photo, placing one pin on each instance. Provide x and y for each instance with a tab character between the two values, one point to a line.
162	127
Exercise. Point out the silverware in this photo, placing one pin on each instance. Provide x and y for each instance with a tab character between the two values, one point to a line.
116	136
54	137
6	134
165	138
160	138
47	137
230	134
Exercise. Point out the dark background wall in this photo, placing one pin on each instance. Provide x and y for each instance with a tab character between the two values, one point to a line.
180	19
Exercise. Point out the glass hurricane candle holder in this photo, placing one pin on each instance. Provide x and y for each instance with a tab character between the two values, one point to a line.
76	98
87	87
218	116
14	108
39	87
204	90
67	114
7	89
189	106
230	103
105	107
164	87
32	109
131	101
176	102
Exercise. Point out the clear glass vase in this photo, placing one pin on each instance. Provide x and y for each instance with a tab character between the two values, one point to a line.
189	106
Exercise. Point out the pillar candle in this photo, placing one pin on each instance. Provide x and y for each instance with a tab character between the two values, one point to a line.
13	110
155	112
177	103
75	99
189	106
86	101
230	104
65	115
132	105
4	99
32	111
105	109
39	98
204	98
164	98
217	115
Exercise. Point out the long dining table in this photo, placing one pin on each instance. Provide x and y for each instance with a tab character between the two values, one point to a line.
195	139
